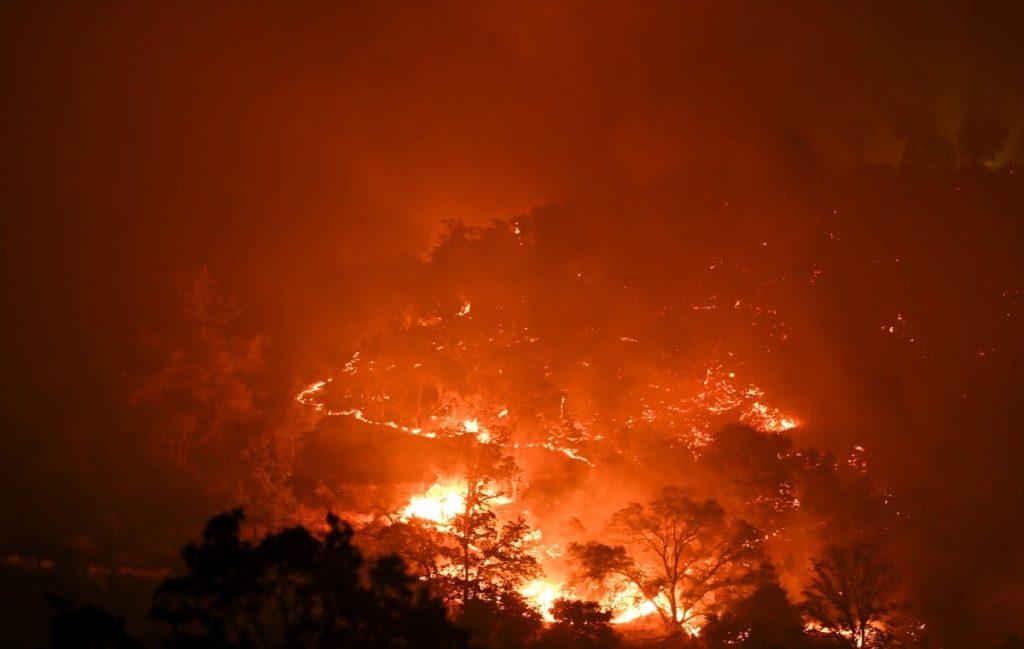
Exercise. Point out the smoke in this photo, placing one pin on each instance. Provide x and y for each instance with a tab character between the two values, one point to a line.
849	175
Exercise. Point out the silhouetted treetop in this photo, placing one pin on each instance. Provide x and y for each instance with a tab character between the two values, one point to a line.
579	625
86	627
294	589
851	595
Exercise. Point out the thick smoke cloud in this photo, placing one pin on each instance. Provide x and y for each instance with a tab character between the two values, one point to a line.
206	207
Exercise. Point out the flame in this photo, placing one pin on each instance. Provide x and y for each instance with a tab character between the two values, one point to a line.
688	406
630	605
635	612
849	634
542	594
473	427
439	504
720	395
627	605
305	397
442	502
768	419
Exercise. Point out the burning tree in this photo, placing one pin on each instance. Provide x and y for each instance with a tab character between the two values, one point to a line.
850	595
682	554
486	558
477	561
454	537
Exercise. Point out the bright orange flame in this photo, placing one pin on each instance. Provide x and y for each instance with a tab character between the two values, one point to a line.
473	427
443	501
542	594
635	612
439	504
626	606
768	419
629	604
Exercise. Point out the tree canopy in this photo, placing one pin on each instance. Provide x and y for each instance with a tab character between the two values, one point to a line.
851	594
294	589
679	552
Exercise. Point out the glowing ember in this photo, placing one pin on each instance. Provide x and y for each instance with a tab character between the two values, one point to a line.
768	419
305	397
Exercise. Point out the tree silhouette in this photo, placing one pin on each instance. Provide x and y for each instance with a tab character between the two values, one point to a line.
473	560
485	559
202	400
86	627
681	554
418	542
503	621
293	589
850	595
765	619
579	625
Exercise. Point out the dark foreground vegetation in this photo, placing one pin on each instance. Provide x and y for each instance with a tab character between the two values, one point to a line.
298	588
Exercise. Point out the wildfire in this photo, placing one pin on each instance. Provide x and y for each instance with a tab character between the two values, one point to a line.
768	419
404	392
439	504
849	634
306	396
628	605
719	394
473	427
634	612
442	502
542	594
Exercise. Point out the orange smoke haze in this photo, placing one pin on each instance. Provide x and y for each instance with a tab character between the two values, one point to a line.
310	258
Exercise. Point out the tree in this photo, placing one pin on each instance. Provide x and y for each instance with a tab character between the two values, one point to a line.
476	562
579	625
850	595
203	398
293	589
417	541
486	559
86	627
680	553
504	621
765	619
